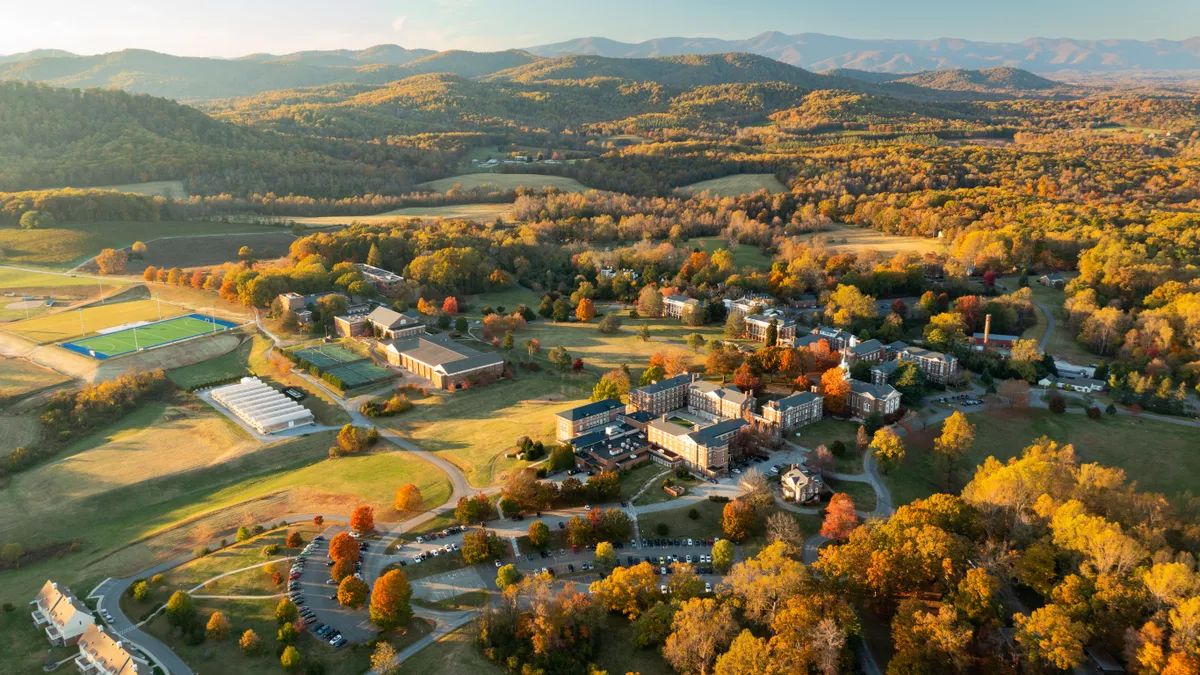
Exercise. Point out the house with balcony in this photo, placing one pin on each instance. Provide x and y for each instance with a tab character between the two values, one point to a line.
63	616
103	654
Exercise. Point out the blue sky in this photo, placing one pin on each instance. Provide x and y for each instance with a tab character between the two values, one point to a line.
237	27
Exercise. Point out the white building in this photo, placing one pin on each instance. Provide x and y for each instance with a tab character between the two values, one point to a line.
102	654
63	616
261	406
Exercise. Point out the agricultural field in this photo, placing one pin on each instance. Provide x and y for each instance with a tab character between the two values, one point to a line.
1160	456
479	212
475	428
20	378
74	324
733	186
505	181
744	255
207	250
170	189
69	245
850	238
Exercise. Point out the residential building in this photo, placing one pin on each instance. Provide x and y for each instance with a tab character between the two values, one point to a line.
994	340
894	348
709	400
63	616
578	421
807	301
441	360
881	372
386	282
1053	280
103	654
615	447
800	486
800	409
838	339
936	366
1083	385
661	396
866	398
785	329
869	350
675	305
704	450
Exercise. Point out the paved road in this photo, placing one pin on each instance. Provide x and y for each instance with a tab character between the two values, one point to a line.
108	595
1045	339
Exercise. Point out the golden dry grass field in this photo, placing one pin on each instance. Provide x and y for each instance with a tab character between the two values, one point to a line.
20	378
506	181
479	212
850	238
732	186
73	324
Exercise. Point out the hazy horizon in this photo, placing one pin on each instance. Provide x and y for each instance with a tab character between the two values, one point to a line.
229	29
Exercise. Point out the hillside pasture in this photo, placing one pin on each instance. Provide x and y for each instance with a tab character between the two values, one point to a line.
477	212
744	255
736	185
506	181
206	250
169	189
20	378
69	245
842	237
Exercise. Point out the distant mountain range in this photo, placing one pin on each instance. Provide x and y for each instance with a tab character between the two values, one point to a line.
825	52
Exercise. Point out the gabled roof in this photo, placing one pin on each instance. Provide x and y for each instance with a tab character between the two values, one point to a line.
922	353
727	393
663	385
389	318
594	408
878	392
682	298
867	347
441	353
797	399
113	653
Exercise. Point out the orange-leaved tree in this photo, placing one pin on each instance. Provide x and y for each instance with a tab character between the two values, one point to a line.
840	519
390	601
362	520
343	547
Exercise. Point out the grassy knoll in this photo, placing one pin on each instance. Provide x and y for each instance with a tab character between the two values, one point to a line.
738	184
671	329
509	299
171	189
205	250
478	212
680	525
235	557
66	325
163	516
825	433
236	362
604	351
633	481
1160	456
20	378
18	431
453	654
744	255
474	428
72	244
850	238
862	493
506	181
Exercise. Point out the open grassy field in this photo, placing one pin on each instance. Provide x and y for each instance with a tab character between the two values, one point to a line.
744	255
732	186
598	349
680	525
478	212
17	431
474	428
862	493
231	364
825	433
71	244
509	299
1161	457
31	282
205	250
505	181
171	189
672	330
236	557
19	378
454	654
67	325
850	238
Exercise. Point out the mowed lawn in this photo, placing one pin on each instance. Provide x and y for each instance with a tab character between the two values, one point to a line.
601	350
30	282
851	238
205	250
19	377
739	184
68	325
506	181
72	244
238	557
475	428
509	299
744	255
1160	456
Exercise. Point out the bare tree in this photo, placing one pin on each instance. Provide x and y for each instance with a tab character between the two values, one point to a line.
828	640
783	528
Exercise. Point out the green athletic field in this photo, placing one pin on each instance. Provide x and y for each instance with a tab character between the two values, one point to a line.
148	336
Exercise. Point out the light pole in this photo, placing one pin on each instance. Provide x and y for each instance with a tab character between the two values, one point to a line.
158	299
82	332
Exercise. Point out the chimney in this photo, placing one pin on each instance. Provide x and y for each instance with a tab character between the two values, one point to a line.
987	328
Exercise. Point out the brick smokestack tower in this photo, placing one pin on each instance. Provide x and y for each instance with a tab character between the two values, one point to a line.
987	328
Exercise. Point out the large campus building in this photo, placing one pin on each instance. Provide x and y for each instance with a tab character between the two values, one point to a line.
715	402
387	283
381	322
578	421
441	360
936	366
675	305
800	409
63	616
702	449
662	396
757	325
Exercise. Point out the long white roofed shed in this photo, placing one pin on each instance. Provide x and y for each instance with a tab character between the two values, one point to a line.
260	406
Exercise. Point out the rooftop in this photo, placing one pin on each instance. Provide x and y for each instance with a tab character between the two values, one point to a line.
875	391
663	385
727	393
866	347
595	408
797	399
112	653
703	436
390	318
922	353
997	336
682	298
441	352
764	319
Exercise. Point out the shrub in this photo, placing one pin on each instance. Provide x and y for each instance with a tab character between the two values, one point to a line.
662	529
1094	413
693	514
1058	404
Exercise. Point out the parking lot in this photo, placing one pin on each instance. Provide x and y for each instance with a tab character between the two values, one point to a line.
320	595
661	552
450	584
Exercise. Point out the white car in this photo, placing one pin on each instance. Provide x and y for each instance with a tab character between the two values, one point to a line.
497	562
416	558
707	587
689	558
664	589
690	543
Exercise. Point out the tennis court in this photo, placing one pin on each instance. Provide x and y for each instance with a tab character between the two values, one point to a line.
147	336
325	357
358	374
